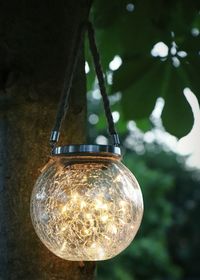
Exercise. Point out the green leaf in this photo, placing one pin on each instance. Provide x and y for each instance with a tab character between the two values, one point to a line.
144	124
191	69
109	45
132	35
163	79
90	77
177	115
130	71
120	32
139	99
106	13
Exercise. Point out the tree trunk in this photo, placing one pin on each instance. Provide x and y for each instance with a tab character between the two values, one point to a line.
35	42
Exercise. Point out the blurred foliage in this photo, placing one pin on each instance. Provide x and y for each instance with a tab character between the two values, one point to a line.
131	29
166	246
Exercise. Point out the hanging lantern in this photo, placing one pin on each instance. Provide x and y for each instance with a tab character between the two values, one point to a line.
86	205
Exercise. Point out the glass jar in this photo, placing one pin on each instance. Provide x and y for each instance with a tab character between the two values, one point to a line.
86	207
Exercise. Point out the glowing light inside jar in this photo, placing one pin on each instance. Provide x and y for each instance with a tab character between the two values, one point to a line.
86	209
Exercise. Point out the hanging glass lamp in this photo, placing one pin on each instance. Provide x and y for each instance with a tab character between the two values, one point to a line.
86	205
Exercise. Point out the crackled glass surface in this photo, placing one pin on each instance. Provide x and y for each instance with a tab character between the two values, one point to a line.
86	208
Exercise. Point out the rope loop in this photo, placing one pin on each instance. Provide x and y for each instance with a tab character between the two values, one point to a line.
70	71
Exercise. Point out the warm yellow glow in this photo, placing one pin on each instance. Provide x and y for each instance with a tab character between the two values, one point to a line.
104	218
87	209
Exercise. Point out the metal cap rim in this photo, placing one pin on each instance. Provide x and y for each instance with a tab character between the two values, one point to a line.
85	149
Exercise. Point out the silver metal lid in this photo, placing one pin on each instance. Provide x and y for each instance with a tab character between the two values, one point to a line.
86	150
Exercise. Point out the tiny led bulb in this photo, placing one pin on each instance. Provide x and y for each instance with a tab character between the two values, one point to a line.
104	218
87	207
83	204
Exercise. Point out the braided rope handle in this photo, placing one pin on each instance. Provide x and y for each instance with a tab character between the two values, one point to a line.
63	104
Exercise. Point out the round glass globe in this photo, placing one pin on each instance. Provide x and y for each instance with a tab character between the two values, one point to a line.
86	207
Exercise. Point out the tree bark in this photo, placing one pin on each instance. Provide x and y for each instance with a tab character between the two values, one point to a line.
35	42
